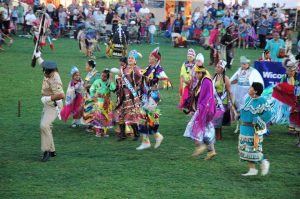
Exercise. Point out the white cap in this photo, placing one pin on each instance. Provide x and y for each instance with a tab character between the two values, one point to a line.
115	70
200	57
222	64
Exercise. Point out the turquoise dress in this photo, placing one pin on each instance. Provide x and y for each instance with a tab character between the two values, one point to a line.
274	47
258	111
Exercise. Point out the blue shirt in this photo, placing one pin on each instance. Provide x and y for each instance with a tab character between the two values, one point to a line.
227	21
213	12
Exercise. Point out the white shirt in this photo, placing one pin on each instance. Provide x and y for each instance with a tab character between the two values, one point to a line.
30	17
196	16
4	14
243	13
205	9
144	11
62	16
99	18
50	7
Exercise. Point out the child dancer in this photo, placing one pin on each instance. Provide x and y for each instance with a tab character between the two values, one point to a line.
74	99
100	92
185	78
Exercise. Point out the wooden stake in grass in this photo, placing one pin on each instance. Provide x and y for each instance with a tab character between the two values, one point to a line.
19	108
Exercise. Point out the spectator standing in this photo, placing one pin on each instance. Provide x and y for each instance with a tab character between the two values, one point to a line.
51	9
212	11
137	6
178	24
205	9
6	18
122	11
256	16
196	15
274	46
36	5
73	6
14	18
227	19
208	22
144	10
109	16
236	6
243	13
263	25
20	10
62	18
221	4
132	16
220	13
152	28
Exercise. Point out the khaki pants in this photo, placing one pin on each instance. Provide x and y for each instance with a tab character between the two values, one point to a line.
48	116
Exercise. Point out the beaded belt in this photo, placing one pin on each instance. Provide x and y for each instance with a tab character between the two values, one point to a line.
247	124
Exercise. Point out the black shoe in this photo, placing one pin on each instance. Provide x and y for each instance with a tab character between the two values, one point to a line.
46	156
122	138
52	153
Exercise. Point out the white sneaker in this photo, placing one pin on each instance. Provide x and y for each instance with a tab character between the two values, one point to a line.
143	146
74	125
251	172
158	142
98	135
265	165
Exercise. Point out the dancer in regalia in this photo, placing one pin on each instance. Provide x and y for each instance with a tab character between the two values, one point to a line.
100	92
92	76
254	116
128	106
242	80
74	99
199	61
222	95
149	115
185	79
200	128
287	91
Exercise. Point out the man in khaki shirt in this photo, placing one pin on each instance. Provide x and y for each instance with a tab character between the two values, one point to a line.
52	95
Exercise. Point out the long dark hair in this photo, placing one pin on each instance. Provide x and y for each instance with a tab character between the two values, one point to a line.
194	97
223	76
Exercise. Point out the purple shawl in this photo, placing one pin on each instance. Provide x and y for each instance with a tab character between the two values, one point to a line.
206	107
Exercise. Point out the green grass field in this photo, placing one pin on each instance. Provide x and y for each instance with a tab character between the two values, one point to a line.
91	167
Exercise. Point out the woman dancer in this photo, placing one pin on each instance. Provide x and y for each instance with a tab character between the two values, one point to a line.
200	128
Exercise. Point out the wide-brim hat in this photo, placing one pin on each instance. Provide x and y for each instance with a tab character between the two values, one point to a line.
244	60
49	65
